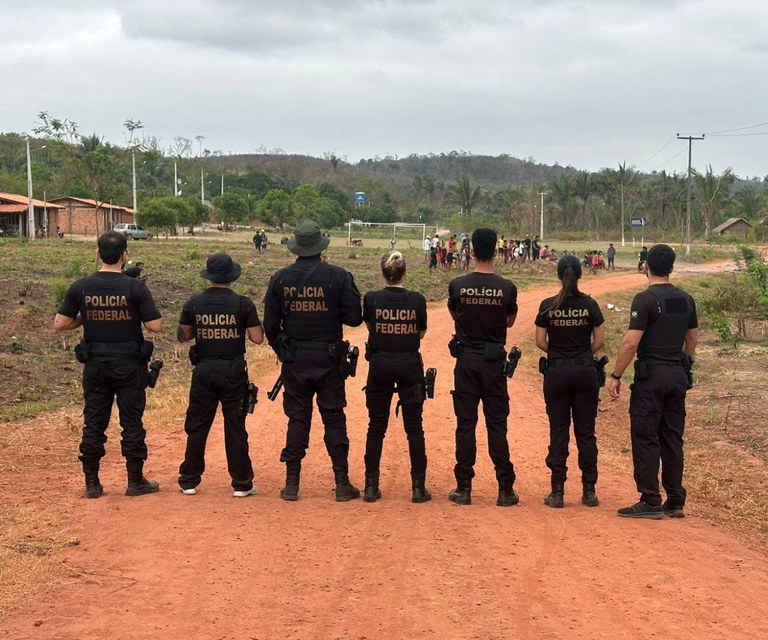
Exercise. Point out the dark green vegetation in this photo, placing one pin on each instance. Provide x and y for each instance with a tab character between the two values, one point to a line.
456	190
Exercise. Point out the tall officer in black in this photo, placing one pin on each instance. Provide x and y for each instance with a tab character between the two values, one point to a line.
111	307
397	320
483	305
218	320
569	329
663	331
305	308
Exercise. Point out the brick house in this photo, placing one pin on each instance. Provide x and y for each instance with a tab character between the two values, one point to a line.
85	216
13	214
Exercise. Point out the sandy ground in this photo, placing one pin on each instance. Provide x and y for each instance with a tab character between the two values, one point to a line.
210	566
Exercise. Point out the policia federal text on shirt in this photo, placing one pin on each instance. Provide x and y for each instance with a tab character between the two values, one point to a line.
397	320
482	305
112	308
663	330
218	320
305	308
569	329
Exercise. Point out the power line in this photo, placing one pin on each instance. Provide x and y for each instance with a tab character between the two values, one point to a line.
738	135
670	159
666	144
752	126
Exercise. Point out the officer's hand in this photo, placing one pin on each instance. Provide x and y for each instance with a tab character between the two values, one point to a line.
614	387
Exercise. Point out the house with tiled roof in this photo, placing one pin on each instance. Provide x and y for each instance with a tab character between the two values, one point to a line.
85	216
14	217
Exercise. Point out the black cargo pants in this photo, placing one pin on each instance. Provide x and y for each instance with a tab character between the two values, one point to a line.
312	373
104	380
572	392
386	371
475	379
217	381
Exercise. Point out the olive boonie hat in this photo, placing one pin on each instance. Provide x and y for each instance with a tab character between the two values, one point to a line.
568	261
220	268
307	240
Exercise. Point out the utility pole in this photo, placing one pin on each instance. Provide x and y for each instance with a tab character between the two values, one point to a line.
202	175
690	140
175	179
541	222
133	164
31	205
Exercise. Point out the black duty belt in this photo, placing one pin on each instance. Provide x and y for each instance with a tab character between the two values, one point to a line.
310	345
662	363
478	350
374	351
114	349
239	356
571	362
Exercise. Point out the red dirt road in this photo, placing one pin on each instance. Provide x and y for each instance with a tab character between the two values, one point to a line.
212	567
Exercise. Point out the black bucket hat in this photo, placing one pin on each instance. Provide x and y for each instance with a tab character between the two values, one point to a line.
220	268
307	240
568	261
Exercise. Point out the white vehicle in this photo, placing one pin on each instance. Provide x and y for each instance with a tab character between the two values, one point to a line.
132	231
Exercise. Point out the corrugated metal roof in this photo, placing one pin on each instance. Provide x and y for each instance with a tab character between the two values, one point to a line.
19	199
93	203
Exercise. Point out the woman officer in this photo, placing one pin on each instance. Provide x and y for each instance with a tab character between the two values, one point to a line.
569	329
397	320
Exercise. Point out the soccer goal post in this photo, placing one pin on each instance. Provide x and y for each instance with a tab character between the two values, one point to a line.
395	226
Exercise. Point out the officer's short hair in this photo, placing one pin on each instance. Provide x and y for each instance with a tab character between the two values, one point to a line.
660	259
112	245
484	243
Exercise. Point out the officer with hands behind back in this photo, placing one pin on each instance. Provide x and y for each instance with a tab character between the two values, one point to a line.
397	321
663	331
218	320
569	329
483	305
111	307
305	308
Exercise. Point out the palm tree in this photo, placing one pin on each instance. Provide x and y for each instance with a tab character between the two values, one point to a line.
712	192
465	195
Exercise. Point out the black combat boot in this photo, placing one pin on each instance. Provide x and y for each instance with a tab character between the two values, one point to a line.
345	491
138	485
588	496
420	492
555	498
462	494
371	492
93	488
507	496
290	491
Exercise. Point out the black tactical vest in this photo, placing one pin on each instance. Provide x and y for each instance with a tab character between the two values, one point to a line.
664	338
219	324
108	313
394	321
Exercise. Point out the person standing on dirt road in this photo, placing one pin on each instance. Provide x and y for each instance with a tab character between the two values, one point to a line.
305	308
111	308
663	331
218	320
483	305
569	329
397	321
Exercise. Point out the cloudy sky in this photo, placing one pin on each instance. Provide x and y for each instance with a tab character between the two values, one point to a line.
588	83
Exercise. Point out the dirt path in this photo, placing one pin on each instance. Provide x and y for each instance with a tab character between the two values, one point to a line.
209	566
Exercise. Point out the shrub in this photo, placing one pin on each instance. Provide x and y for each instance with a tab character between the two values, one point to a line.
57	288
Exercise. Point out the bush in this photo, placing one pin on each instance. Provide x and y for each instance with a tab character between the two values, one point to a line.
57	288
193	254
74	269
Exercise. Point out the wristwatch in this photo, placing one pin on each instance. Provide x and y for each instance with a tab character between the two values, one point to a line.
615	377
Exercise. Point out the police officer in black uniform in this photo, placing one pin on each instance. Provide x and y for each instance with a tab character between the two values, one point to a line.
111	307
397	320
569	329
663	331
483	305
305	307
218	320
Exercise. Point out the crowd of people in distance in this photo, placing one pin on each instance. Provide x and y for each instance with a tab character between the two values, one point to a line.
456	253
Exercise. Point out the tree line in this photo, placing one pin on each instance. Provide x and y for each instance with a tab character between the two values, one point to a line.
181	185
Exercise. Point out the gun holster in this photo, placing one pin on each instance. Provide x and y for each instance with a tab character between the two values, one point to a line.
194	356
642	369
600	365
454	347
146	350
82	352
543	365
688	366
285	348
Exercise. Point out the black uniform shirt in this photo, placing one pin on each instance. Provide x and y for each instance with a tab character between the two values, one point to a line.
328	300
481	303
569	328
664	313
219	318
112	306
395	317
